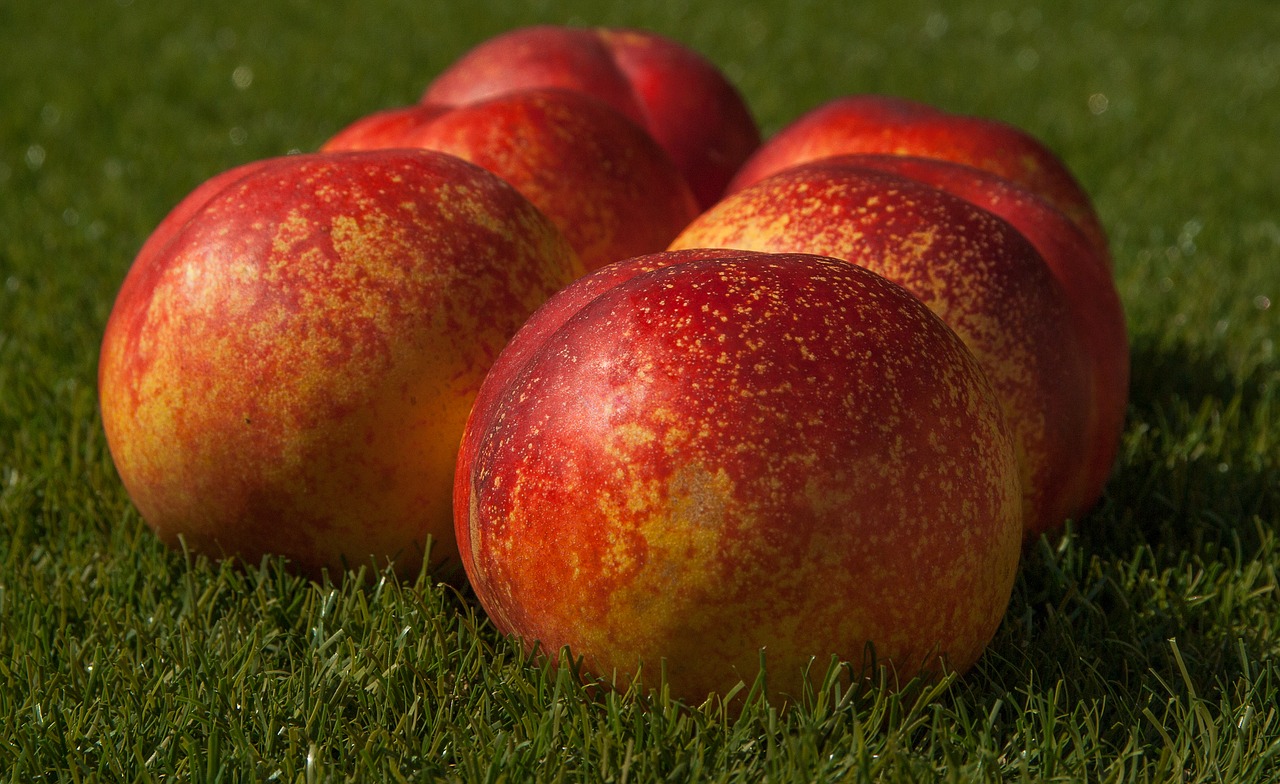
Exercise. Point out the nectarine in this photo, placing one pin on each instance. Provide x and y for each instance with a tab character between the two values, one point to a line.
289	364
687	459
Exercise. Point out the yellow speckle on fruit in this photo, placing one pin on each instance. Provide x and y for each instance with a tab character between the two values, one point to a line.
633	435
295	228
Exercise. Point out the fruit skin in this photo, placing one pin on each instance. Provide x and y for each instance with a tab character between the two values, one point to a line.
683	99
1084	276
978	273
173	222
884	124
288	367
601	178
685	458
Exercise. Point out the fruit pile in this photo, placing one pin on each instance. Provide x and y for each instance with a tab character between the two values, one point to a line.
670	397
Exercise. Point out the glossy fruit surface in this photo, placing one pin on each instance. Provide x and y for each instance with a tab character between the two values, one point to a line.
288	366
684	459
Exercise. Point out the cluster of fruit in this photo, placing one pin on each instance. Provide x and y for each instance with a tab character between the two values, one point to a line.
715	399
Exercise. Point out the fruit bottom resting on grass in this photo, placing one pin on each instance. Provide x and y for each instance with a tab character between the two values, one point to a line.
291	359
686	458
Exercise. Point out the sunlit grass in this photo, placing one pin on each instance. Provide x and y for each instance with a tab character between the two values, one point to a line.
1140	646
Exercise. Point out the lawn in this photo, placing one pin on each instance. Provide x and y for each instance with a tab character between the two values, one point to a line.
1142	645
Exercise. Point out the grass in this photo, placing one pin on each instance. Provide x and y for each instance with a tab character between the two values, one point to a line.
1143	645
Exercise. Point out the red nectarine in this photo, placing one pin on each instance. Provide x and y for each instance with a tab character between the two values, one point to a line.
288	367
884	124
675	93
601	178
684	460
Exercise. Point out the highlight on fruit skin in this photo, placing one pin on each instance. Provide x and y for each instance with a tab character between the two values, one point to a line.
685	459
290	360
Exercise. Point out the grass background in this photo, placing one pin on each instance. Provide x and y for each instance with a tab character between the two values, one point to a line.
1140	646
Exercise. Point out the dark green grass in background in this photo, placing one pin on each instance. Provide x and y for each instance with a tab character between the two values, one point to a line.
1142	646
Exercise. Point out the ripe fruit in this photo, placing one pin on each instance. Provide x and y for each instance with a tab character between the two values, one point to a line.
981	276
289	364
602	179
684	459
681	98
882	124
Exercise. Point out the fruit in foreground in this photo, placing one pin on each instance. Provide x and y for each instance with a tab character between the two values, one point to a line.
680	97
288	367
685	459
978	273
601	178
